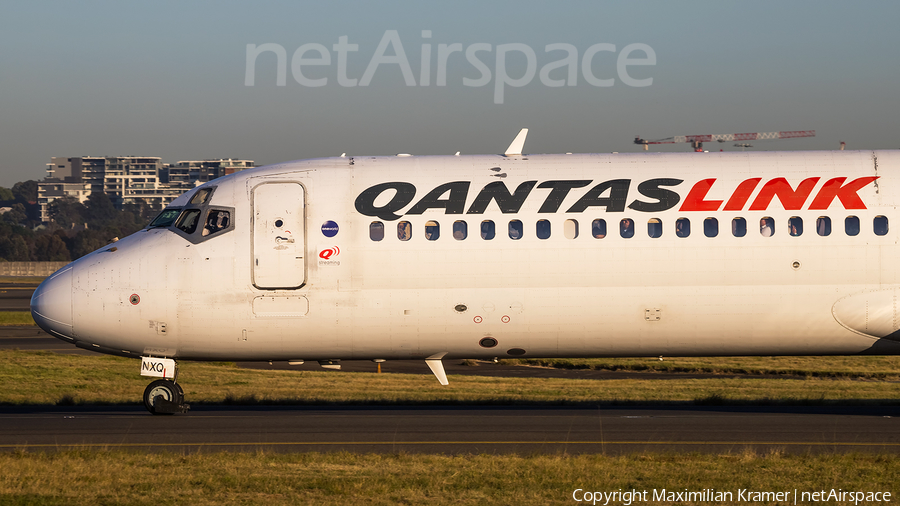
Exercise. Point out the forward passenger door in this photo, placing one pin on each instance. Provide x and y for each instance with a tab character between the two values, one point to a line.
279	235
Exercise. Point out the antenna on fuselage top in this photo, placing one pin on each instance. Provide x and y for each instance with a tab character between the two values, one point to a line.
515	149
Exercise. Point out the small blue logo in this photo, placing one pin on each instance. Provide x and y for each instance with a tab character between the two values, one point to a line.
329	229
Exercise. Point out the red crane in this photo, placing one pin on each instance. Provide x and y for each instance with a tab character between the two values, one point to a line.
698	140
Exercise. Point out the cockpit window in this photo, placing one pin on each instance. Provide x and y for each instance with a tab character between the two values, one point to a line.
198	221
165	218
202	196
188	221
216	221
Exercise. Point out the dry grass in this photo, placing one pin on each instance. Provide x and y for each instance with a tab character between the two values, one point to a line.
16	319
47	378
875	367
116	477
22	280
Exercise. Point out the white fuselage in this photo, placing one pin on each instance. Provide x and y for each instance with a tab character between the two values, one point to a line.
294	271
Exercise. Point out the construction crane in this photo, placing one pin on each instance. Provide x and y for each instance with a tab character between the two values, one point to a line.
698	140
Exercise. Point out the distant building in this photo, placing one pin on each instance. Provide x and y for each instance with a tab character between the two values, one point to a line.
189	173
82	169
128	179
52	189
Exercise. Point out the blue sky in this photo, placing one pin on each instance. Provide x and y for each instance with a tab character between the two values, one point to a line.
168	79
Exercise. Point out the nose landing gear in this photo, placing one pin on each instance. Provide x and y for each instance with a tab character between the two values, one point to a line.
165	397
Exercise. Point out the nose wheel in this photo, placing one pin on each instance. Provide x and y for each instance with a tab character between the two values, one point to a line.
165	397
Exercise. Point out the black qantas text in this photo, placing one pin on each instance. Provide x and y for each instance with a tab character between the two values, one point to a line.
452	197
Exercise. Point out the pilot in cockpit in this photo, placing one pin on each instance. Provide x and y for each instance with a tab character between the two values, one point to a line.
216	221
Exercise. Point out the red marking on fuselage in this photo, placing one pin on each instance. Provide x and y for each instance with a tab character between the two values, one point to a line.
694	200
847	193
791	200
742	194
330	252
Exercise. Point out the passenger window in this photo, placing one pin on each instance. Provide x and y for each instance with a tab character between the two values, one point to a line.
432	230
570	229
710	227
216	221
767	226
188	221
515	230
201	196
823	226
460	230
654	228
488	230
851	225
543	229
626	228
682	227
376	230
598	229
881	225
795	226
404	231
739	227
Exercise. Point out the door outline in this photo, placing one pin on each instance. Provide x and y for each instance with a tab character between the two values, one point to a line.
254	185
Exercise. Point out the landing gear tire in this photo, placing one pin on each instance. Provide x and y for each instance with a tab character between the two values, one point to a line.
164	397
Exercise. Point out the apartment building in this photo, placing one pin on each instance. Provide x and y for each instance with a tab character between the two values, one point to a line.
128	179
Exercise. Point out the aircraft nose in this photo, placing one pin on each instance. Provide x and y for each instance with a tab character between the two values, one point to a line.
51	304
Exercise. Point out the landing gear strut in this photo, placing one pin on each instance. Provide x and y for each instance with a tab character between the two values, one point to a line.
165	397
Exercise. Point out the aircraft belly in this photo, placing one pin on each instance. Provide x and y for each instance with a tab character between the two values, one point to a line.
670	321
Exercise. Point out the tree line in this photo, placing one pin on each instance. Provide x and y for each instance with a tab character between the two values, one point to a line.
75	229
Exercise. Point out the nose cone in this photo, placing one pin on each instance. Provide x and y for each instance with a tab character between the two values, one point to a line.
51	304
